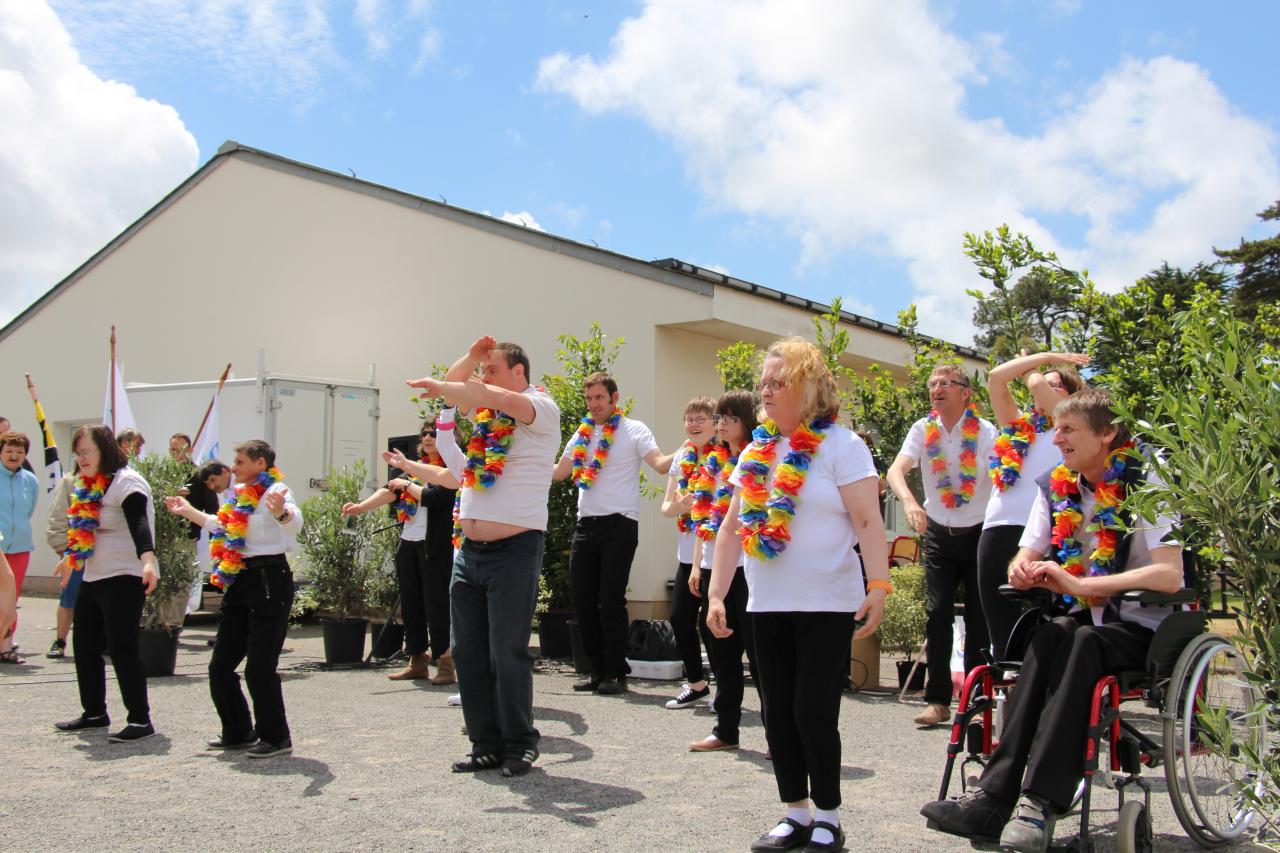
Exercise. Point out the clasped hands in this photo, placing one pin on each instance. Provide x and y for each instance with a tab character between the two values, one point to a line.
1027	574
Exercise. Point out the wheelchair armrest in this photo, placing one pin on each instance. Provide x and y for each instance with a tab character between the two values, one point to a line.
1147	598
1037	594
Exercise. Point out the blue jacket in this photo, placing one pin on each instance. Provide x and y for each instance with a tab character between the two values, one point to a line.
18	493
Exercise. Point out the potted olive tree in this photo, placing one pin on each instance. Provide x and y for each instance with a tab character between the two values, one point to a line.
166	608
902	629
343	559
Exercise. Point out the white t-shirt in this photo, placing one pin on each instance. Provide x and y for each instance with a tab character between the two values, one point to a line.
972	512
684	539
818	571
415	529
617	487
519	496
1013	505
1040	528
113	550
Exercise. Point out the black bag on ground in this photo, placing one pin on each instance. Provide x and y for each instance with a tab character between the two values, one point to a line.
651	639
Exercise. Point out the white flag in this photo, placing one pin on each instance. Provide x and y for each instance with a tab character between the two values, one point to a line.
123	414
207	448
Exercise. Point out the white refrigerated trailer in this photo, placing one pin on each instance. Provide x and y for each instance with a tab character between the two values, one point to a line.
314	424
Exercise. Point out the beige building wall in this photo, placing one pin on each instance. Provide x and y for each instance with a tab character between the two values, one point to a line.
261	253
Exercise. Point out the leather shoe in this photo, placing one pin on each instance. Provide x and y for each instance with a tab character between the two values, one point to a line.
588	685
977	814
799	837
612	686
935	714
836	842
711	744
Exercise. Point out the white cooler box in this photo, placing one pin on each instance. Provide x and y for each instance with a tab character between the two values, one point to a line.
656	670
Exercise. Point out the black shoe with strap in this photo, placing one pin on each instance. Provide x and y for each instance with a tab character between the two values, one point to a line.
520	764
836	842
478	761
976	815
798	837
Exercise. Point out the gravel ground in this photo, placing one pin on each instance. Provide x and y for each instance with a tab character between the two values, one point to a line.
370	769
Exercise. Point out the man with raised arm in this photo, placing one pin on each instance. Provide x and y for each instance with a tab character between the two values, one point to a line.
603	456
494	588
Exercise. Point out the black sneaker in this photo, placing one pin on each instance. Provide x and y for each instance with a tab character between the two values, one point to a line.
475	762
688	698
612	687
588	685
82	722
520	764
132	732
266	749
244	743
976	815
57	650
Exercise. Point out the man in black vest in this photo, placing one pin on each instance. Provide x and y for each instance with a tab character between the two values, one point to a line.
1040	758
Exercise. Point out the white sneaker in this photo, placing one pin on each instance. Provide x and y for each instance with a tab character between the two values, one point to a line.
455	699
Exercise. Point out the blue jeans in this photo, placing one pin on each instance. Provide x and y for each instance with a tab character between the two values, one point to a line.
491	599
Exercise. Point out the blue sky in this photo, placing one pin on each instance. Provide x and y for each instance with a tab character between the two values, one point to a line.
822	148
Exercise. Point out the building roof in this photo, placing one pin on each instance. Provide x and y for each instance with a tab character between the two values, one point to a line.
671	271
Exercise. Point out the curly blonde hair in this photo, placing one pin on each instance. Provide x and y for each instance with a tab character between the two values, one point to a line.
805	368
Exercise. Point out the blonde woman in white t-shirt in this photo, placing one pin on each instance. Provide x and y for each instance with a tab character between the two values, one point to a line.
807	492
1050	378
118	559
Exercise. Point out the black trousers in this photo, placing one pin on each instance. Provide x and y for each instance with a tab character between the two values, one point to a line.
255	616
950	559
424	598
110	609
688	622
726	659
1041	750
801	659
600	568
996	548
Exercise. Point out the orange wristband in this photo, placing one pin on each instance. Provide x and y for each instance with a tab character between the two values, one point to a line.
887	586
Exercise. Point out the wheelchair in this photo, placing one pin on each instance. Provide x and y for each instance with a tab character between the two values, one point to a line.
1189	673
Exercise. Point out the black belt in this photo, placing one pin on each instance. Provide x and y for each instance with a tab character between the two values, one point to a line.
498	544
611	518
955	531
264	560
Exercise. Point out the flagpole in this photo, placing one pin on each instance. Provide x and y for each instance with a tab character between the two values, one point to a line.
113	380
203	421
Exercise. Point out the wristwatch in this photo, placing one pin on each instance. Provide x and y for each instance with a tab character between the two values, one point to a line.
283	517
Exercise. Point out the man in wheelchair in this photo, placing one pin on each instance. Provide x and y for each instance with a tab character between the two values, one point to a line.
1078	523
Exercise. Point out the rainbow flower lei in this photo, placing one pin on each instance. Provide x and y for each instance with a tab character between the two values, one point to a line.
1064	490
766	514
457	520
1011	446
226	544
487	449
703	486
585	474
688	462
969	426
405	506
84	516
724	492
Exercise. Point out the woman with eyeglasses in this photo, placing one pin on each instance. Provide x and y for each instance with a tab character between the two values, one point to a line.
806	493
677	503
1023	452
424	561
110	539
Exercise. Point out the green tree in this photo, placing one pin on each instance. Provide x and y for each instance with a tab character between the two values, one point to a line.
1258	279
738	365
578	359
175	552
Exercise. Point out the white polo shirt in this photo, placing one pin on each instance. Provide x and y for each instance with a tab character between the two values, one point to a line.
975	510
519	496
266	536
1013	505
616	488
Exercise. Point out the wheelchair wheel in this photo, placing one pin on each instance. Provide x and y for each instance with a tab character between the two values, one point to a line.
1133	831
1206	787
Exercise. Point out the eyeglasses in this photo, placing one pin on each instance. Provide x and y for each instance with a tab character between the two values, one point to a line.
702	419
944	383
85	454
771	385
727	419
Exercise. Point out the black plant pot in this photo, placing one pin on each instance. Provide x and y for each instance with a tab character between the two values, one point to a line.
387	639
158	649
581	663
917	679
344	640
553	634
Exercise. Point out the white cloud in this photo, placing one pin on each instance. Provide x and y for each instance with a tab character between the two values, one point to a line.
524	218
284	49
80	157
848	125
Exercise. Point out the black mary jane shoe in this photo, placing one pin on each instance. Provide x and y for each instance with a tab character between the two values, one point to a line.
798	838
836	842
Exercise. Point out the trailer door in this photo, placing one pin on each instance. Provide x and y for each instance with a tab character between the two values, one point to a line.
298	430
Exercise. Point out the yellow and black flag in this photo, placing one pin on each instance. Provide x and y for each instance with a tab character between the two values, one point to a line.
52	465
